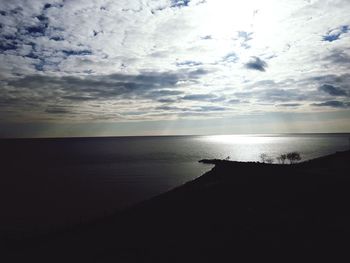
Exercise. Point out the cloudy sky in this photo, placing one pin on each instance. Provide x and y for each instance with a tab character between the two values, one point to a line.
147	67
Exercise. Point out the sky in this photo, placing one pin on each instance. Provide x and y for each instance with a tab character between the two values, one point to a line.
167	67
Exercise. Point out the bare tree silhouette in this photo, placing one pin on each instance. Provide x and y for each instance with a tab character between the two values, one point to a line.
293	157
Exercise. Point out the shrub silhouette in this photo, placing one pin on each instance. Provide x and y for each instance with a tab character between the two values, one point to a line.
265	158
269	160
282	158
293	157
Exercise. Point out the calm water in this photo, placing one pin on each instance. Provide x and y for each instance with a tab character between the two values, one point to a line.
99	175
174	160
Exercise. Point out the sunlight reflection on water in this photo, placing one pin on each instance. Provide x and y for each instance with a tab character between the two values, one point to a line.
249	147
240	139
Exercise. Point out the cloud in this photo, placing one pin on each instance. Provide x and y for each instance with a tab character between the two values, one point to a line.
256	64
272	95
338	57
333	104
212	108
37	93
170	108
245	37
200	97
188	63
167	100
234	101
57	110
289	105
331	90
336	79
105	87
231	57
123	60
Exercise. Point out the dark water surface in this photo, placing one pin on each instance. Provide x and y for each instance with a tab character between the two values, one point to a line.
50	183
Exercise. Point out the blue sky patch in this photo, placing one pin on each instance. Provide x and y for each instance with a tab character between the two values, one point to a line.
335	34
179	3
7	46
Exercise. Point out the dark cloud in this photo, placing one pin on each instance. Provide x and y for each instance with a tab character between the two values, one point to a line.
205	108
200	97
336	85
256	64
207	37
39	29
170	108
41	90
77	52
332	90
47	6
57	38
198	72
212	108
164	95
234	101
78	98
340	57
283	95
57	110
335	34
166	92
189	63
274	95
6	45
167	100
5	101
343	79
333	104
289	104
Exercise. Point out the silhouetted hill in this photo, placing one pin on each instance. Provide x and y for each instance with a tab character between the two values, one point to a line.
234	207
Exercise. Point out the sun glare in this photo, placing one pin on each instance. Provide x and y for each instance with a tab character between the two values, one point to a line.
224	18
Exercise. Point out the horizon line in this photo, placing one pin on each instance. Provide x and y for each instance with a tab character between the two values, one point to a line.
170	135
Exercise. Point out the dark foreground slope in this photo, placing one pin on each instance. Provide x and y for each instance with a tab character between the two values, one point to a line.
234	207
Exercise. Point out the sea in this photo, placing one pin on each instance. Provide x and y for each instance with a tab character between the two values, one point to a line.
94	177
